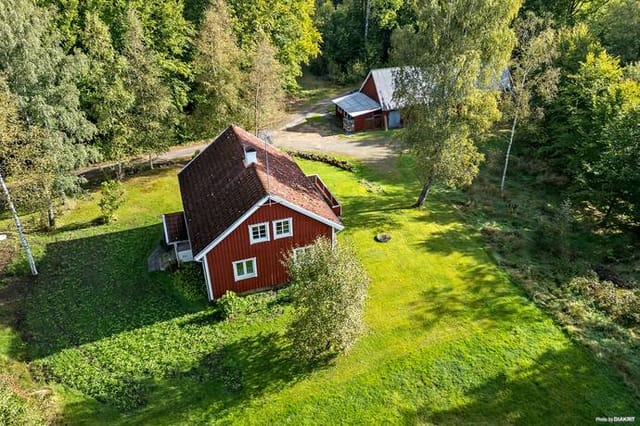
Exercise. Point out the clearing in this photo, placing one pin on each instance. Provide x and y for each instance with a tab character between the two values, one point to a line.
450	338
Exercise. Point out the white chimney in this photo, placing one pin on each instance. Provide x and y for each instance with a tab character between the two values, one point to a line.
250	156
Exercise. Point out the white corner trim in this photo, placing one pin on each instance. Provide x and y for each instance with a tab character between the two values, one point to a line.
258	240
207	278
230	229
365	82
289	234
306	212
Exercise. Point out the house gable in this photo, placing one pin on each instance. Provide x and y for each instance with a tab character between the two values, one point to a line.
219	188
269	255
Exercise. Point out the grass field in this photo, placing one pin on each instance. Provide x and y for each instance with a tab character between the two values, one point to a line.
449	338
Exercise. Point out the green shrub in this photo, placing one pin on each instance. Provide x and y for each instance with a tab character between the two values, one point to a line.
112	193
329	288
621	305
231	305
189	281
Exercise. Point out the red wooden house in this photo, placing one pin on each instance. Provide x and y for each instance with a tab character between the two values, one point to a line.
247	205
373	106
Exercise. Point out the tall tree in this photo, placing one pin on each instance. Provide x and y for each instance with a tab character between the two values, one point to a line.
218	73
263	93
165	29
44	79
532	72
618	26
289	26
105	95
452	59
152	116
10	131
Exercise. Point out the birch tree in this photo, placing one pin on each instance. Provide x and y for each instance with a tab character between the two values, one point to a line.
10	131
264	93
531	73
43	78
452	59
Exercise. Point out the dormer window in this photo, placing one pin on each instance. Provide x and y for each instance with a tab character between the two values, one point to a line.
259	233
282	228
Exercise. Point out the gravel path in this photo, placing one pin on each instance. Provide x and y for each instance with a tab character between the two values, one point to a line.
296	134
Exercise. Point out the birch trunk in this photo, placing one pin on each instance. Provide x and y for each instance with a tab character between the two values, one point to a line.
506	159
16	219
424	193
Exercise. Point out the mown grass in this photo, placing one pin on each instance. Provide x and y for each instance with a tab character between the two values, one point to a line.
450	339
527	234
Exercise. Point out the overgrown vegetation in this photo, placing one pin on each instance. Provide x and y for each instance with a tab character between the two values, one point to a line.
583	274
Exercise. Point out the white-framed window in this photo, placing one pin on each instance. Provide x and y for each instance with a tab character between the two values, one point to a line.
299	251
282	228
246	268
259	232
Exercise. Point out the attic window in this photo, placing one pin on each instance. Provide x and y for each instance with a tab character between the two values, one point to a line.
282	228
259	233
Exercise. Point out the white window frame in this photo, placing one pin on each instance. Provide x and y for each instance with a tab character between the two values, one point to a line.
275	232
297	250
259	240
244	263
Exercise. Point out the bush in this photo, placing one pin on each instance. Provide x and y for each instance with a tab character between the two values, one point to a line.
621	304
112	193
189	281
329	287
553	234
231	305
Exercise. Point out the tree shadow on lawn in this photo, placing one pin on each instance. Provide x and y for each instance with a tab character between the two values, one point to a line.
91	288
231	375
566	386
478	290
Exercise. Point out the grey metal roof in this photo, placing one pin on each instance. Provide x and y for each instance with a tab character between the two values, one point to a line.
385	82
356	104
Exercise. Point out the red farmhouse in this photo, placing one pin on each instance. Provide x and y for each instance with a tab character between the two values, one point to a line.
246	206
373	106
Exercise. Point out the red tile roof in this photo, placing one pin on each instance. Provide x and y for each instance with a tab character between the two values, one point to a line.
217	188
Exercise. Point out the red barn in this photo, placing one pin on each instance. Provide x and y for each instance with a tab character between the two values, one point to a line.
373	106
247	205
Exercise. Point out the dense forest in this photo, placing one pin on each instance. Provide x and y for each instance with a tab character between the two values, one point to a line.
92	81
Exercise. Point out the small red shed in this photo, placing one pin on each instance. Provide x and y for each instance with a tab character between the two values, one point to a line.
374	106
247	205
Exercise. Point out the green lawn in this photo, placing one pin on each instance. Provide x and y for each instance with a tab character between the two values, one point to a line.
450	339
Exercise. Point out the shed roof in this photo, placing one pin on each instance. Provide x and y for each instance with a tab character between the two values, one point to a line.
384	80
218	188
175	227
356	104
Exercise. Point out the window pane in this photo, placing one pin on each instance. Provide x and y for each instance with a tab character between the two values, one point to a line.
249	265
285	227
239	269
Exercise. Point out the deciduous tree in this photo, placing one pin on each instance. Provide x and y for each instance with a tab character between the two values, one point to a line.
218	73
329	287
263	88
453	57
44	79
152	116
532	72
